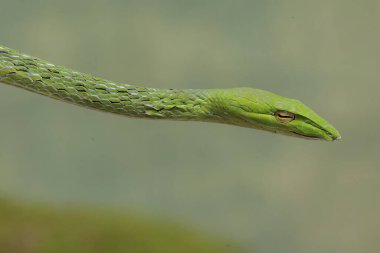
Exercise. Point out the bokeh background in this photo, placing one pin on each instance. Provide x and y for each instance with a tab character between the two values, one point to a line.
261	192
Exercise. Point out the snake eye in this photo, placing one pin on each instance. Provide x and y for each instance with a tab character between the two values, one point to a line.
284	117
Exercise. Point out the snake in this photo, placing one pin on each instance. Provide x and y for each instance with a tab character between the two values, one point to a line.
244	107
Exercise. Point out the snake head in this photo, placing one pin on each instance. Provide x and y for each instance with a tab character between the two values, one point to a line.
264	110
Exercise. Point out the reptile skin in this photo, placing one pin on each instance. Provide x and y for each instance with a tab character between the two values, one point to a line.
245	107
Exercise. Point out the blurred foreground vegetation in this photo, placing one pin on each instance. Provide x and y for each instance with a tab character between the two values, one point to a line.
26	228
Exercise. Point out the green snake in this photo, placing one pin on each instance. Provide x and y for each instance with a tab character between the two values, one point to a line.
246	107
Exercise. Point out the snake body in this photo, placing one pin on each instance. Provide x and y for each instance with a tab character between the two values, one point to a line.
61	83
242	106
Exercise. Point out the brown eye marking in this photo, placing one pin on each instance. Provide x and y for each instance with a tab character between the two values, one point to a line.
284	117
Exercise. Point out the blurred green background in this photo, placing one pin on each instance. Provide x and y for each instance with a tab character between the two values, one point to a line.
266	193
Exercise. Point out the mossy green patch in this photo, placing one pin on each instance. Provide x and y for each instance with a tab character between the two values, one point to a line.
26	228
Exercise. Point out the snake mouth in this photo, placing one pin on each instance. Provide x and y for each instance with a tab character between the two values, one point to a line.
331	137
306	136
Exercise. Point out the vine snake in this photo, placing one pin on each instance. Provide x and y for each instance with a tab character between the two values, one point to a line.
246	107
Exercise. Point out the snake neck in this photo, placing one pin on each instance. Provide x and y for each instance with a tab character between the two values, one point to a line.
153	103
